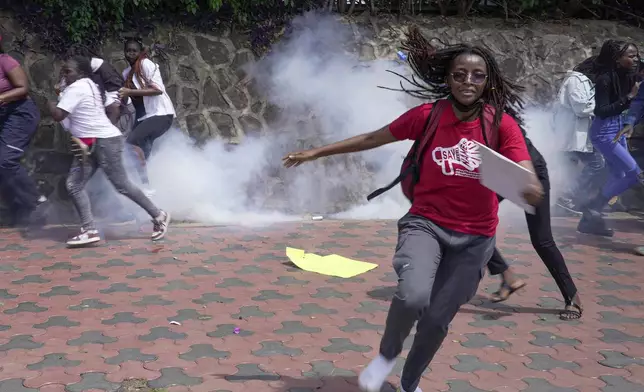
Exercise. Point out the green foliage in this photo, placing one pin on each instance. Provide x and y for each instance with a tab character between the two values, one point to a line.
61	24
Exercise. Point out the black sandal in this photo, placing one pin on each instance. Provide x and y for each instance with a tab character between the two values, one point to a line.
505	291
571	312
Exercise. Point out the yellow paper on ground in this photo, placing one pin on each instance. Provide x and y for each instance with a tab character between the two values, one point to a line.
332	265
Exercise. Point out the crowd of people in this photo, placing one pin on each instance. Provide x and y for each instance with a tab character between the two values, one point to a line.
447	239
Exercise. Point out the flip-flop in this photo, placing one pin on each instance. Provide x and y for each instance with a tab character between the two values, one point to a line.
507	290
572	312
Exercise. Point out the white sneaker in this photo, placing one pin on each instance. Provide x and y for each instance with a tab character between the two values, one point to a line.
85	237
160	226
374	375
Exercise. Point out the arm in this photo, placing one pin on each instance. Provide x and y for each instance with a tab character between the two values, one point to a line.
604	108
580	97
152	74
366	141
636	111
69	100
20	83
57	113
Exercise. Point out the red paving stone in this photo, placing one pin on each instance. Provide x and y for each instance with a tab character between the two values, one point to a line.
85	320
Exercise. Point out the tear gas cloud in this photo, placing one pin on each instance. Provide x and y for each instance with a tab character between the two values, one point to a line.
327	94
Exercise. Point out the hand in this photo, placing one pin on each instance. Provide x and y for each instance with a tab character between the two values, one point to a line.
627	131
297	158
634	90
57	89
533	194
2	100
124	93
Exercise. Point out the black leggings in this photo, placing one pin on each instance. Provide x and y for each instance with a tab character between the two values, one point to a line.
143	136
541	236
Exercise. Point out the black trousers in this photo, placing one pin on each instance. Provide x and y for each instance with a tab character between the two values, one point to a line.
543	242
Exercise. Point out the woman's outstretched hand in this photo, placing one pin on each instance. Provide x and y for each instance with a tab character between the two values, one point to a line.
298	158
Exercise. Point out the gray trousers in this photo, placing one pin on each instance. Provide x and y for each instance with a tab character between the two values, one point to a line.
438	270
107	155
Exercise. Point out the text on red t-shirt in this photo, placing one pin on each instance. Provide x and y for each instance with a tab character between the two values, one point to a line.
449	192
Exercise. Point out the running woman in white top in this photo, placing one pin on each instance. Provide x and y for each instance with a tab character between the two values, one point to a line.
154	110
82	103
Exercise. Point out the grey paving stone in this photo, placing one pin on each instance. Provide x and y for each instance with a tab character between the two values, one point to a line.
203	351
547	339
157	333
611	285
541	385
618	360
124	318
153	300
119	288
113	263
274	348
175	285
611	300
620	384
233	282
471	363
59	291
289	281
130	354
199	271
188	314
53	360
91	337
246	312
37	279
251	371
224	330
310	309
480	340
618	318
17	342
491	320
358	324
293	327
321	369
148	273
61	266
615	336
92	381
26	307
341	345
14	385
462	386
92	276
544	362
266	295
329	292
91	303
371	307
5	294
57	321
208	298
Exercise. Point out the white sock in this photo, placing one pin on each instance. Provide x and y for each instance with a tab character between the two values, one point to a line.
374	375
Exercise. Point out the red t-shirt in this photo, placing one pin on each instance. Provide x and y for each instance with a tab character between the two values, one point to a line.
449	192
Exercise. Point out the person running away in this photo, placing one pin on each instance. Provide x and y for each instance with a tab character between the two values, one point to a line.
83	103
154	110
448	236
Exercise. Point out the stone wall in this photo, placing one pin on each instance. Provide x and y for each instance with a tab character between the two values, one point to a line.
207	80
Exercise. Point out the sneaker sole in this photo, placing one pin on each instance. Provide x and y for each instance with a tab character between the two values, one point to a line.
167	226
82	243
569	210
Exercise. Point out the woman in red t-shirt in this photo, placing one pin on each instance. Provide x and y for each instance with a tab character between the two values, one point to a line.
447	238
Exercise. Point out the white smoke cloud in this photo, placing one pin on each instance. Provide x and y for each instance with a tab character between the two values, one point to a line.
327	94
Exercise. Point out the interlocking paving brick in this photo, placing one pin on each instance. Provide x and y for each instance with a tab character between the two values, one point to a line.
17	342
246	315
92	381
273	348
547	339
342	345
617	360
130	354
157	333
251	371
541	385
620	384
14	385
53	360
321	369
480	340
26	307
545	362
224	330
91	337
203	351
57	321
124	318
293	327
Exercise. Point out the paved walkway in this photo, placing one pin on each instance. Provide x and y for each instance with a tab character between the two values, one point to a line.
220	309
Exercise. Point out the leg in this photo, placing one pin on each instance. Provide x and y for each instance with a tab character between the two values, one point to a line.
17	129
510	284
79	174
143	136
588	179
109	154
457	280
416	261
540	230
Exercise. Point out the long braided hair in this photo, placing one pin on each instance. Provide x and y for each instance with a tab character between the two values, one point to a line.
606	63
432	66
136	68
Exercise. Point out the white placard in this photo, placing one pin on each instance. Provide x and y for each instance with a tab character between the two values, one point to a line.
504	177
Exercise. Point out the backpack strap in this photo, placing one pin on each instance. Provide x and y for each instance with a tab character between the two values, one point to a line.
416	153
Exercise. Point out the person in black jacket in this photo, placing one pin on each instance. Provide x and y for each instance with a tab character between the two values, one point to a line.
543	242
616	86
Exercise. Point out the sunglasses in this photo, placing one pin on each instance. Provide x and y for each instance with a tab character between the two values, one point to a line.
474	78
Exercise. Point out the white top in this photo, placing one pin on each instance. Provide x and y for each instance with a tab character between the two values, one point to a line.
82	100
156	105
573	112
